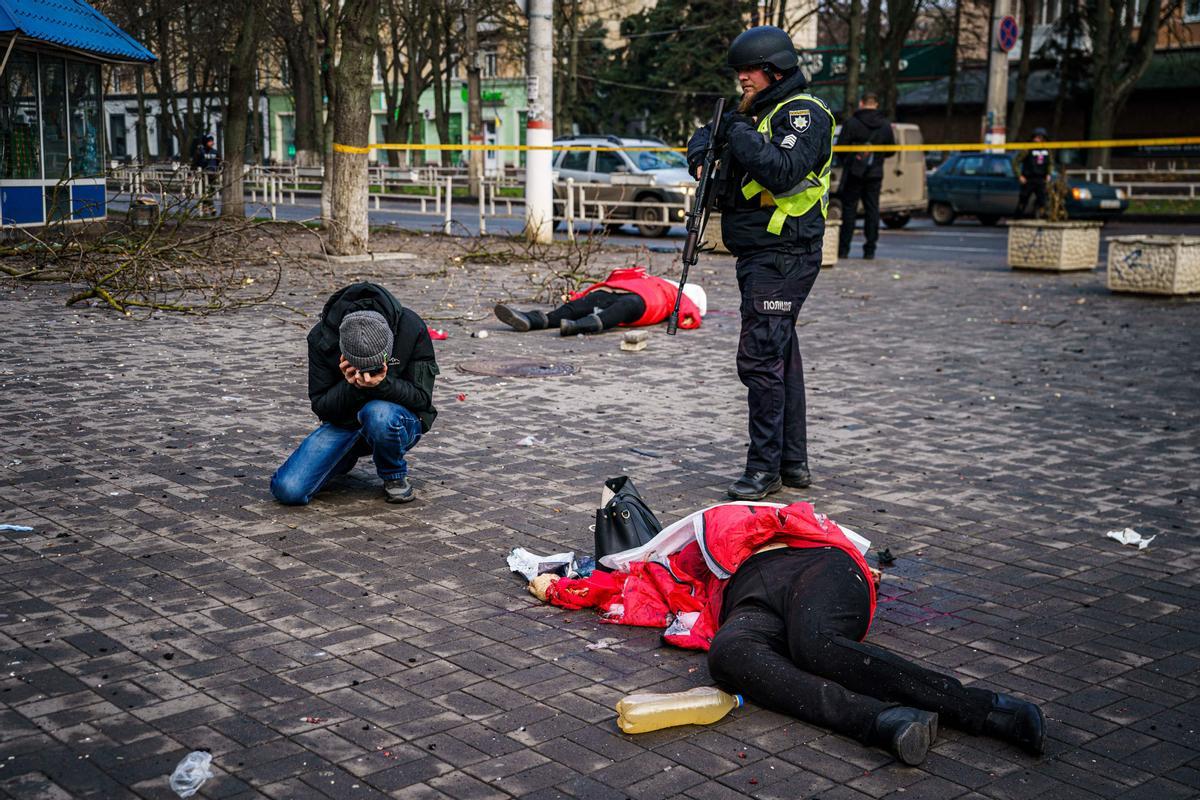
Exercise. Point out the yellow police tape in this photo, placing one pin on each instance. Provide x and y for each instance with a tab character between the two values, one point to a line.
879	148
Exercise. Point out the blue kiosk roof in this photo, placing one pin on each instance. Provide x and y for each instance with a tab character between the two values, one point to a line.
72	24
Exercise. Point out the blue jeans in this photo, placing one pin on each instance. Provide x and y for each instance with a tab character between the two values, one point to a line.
387	431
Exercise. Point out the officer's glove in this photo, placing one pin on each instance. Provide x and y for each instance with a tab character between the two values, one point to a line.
696	147
730	120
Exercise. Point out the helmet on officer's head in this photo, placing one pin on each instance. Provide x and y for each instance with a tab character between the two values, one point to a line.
1040	132
764	46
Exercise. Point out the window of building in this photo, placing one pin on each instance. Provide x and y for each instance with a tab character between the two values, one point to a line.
54	118
1191	11
19	145
491	61
87	138
117	135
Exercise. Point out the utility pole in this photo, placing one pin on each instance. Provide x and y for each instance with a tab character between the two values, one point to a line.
474	101
997	91
539	133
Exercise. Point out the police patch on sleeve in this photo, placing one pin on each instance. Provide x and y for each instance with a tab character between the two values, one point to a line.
800	118
788	142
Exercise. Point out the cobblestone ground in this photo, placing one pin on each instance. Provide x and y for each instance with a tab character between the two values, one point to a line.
987	426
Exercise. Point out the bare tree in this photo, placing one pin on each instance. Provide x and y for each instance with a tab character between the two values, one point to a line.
241	81
358	29
1017	117
1119	58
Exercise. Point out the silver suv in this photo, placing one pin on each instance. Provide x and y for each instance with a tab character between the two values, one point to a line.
654	178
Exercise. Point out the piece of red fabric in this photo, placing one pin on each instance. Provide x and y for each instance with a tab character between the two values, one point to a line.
683	594
657	293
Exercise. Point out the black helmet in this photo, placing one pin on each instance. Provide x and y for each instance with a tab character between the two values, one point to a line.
1040	132
765	45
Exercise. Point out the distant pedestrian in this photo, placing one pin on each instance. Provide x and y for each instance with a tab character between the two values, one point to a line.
862	173
627	297
371	370
1035	175
207	161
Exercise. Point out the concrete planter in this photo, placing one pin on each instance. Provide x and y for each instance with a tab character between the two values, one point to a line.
1054	246
1154	264
829	245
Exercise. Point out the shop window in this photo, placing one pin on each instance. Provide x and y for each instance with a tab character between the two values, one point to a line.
87	141
20	150
54	119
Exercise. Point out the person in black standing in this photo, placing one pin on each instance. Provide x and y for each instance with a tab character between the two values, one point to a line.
862	173
777	157
1035	175
207	161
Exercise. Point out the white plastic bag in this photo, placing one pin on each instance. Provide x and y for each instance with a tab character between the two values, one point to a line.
194	770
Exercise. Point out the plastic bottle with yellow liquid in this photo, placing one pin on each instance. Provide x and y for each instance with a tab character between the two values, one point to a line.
642	713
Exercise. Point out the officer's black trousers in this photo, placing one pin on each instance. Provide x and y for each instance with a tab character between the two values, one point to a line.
867	190
1035	186
789	641
774	286
613	308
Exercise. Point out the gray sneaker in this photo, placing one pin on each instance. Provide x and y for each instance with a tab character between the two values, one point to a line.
399	491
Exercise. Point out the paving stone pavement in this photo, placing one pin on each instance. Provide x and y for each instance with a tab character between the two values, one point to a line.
986	426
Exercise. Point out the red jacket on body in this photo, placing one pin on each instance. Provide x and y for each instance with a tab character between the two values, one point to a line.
683	593
657	293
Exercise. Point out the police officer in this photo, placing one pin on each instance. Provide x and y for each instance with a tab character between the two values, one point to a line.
1035	174
776	161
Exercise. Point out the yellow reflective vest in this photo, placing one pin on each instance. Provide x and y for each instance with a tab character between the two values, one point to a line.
813	189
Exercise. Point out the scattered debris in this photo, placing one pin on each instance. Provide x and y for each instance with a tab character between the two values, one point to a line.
461	397
604	644
633	341
313	720
18	528
437	334
1130	536
646	453
886	559
194	770
479	335
530	441
530	565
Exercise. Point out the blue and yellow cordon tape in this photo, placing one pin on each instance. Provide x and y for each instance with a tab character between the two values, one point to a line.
1080	144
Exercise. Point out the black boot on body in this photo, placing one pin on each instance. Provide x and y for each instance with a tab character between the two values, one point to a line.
755	486
796	476
589	324
905	732
520	320
1017	722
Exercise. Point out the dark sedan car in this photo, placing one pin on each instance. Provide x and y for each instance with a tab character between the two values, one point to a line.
986	186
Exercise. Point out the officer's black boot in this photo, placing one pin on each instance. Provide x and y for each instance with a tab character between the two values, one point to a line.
1017	722
906	732
796	475
589	324
755	485
520	320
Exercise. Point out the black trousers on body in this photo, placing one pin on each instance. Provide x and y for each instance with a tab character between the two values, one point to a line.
1032	186
774	285
790	623
867	190
613	308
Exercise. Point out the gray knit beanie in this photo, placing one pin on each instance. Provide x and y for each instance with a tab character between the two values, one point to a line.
366	339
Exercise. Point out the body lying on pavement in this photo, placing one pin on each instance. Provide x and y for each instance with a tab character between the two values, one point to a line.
628	297
782	598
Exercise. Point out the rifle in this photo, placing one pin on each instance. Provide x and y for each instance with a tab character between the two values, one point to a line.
697	217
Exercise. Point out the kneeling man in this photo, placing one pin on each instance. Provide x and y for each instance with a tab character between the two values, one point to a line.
371	370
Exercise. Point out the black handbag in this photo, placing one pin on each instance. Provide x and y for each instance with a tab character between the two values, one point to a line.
625	521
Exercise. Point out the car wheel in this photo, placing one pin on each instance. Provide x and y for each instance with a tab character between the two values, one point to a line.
895	221
942	213
647	216
990	220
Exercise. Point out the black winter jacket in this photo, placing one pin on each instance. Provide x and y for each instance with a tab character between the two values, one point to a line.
867	126
411	368
800	143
